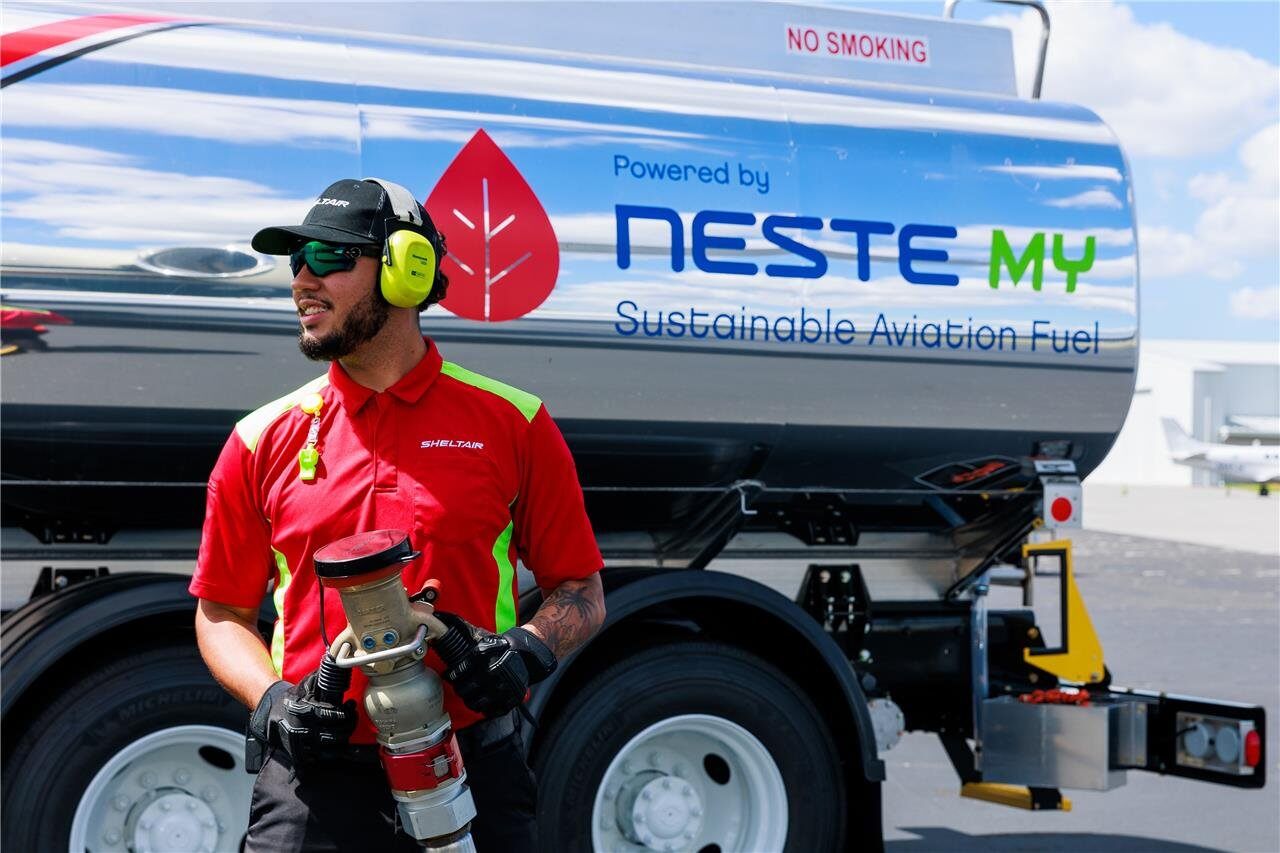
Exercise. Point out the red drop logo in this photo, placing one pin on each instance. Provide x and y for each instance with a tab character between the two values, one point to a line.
503	254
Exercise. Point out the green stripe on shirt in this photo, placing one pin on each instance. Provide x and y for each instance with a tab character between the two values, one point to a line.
277	636
527	403
504	610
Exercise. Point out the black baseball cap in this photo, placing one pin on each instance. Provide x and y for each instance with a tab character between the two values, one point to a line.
350	211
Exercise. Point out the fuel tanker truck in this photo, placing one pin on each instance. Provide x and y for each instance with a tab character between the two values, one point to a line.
833	322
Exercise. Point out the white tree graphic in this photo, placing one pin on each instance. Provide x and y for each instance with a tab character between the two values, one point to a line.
489	232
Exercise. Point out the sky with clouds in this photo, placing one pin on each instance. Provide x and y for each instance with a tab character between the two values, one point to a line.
1192	89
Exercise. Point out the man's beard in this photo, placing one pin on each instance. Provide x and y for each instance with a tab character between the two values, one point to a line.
364	322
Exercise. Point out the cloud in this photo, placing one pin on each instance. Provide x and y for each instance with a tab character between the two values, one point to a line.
1169	252
81	192
27	148
1098	197
251	119
1240	223
1256	303
1243	216
1164	93
1261	156
1070	171
149	109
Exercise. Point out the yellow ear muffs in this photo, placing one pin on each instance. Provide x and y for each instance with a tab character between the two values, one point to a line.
408	269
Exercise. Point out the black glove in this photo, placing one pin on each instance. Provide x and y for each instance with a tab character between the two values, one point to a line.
302	723
491	673
261	723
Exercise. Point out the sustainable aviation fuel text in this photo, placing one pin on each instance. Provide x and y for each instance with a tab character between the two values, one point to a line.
821	327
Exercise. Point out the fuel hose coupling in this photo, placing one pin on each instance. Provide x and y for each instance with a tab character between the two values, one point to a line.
386	637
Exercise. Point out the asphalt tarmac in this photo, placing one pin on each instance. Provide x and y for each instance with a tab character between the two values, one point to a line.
1183	618
1236	518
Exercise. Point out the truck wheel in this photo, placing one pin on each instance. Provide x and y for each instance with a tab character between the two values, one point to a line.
145	754
692	747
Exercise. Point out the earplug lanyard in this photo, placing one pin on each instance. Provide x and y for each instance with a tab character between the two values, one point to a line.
309	457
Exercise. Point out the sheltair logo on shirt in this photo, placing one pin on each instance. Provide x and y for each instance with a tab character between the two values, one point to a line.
450	442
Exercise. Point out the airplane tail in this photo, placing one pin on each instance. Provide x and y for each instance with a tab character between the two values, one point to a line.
1180	444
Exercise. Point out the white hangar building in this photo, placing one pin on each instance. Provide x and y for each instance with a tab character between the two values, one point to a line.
1219	391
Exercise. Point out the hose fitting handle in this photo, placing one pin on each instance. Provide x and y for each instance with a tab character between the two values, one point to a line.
332	681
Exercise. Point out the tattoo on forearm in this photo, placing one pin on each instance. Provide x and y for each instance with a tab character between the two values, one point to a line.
570	614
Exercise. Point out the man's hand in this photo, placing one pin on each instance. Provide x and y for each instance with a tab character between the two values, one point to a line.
310	730
491	673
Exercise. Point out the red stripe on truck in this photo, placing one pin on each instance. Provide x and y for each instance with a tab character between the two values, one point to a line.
20	44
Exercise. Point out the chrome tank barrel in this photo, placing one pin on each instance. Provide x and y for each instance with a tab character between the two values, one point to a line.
710	274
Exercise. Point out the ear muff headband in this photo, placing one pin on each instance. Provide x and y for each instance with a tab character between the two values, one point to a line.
408	257
402	201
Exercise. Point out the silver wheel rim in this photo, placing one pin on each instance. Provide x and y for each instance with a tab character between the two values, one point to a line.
179	789
687	782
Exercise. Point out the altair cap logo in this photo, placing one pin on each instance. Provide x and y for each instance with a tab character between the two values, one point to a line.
503	254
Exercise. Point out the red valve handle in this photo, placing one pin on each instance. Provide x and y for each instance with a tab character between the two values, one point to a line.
429	593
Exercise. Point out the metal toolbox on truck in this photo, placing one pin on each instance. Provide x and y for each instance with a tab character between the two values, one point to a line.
1061	746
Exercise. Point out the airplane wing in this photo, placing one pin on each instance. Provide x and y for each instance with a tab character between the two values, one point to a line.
1193	459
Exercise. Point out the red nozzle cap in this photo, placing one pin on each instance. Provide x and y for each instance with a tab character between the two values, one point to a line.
363	554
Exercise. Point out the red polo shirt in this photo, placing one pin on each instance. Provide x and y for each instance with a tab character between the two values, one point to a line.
476	471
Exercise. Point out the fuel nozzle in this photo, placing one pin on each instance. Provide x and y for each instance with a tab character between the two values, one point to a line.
387	637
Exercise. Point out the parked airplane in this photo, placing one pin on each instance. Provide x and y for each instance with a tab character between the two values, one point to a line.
1256	463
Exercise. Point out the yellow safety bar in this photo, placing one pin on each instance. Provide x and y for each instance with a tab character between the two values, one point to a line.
1016	796
1079	660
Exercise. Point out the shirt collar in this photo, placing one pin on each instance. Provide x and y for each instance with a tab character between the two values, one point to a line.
408	388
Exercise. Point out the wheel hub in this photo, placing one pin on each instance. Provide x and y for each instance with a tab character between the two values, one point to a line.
181	789
667	814
175	822
690	782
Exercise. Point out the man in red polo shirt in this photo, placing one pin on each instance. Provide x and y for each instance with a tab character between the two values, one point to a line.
394	437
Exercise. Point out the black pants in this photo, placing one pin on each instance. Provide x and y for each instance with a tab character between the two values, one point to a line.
348	807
